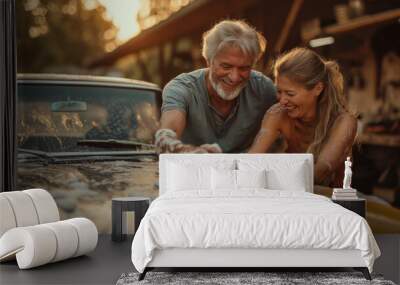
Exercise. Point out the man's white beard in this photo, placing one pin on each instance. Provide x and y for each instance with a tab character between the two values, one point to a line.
222	93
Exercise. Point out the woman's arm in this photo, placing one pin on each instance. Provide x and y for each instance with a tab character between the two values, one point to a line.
269	131
337	147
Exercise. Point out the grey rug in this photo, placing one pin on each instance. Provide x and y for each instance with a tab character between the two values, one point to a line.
231	278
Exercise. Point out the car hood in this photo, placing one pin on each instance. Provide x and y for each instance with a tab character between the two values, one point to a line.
86	189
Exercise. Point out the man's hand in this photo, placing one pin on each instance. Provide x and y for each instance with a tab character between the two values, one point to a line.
168	136
211	148
167	142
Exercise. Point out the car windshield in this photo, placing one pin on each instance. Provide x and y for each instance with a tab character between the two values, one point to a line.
58	118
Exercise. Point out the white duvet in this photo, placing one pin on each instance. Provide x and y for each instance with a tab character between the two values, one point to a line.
253	218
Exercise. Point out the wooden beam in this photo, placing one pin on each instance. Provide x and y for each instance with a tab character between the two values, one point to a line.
170	65
144	69
294	11
362	22
161	64
196	17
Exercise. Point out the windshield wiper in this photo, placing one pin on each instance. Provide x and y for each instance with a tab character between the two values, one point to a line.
73	157
136	151
117	144
43	156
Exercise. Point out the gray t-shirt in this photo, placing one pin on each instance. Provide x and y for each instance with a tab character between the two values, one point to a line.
188	92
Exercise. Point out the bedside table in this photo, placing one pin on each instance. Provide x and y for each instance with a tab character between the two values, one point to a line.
139	205
356	205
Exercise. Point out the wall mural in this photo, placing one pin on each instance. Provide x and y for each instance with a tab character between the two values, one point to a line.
87	140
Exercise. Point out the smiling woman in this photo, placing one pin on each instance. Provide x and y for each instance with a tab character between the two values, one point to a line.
312	114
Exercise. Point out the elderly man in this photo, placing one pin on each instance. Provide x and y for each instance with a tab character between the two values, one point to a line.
219	108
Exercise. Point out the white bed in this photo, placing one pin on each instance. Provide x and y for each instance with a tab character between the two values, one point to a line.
203	219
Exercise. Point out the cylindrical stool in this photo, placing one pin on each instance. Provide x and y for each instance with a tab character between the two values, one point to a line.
139	205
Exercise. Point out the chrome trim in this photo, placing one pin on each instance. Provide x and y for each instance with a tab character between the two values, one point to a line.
88	80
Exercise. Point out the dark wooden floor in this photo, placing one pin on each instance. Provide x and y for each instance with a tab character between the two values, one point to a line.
110	259
102	266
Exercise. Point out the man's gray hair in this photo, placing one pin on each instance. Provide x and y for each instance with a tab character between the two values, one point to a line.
233	33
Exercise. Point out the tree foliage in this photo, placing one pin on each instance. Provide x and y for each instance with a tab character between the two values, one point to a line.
154	11
60	36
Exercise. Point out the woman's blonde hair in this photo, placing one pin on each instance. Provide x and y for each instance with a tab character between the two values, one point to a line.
307	68
233	33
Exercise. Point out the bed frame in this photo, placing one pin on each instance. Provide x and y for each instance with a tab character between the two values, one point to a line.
241	259
256	258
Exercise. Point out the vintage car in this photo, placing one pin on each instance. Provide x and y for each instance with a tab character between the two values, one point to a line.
87	139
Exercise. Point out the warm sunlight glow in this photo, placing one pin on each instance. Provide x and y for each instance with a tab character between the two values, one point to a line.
123	14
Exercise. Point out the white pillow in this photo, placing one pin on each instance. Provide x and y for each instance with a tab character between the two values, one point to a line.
192	174
280	174
181	177
251	179
235	179
223	179
292	179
